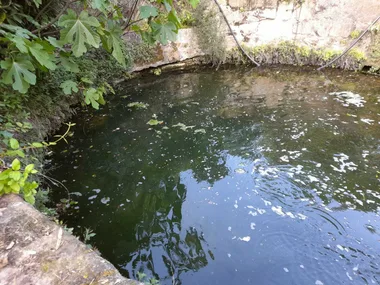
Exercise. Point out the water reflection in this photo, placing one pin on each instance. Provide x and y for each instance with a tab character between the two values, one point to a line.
273	182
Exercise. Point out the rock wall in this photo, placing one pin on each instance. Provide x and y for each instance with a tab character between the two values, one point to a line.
34	250
311	23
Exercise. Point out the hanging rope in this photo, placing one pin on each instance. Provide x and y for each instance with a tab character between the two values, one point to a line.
351	46
233	35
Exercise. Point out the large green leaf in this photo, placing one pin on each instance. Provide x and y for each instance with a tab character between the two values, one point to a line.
18	72
20	42
69	86
113	42
42	56
94	97
164	32
78	31
55	43
17	30
148	11
68	64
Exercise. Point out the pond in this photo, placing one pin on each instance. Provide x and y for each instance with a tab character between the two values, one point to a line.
254	176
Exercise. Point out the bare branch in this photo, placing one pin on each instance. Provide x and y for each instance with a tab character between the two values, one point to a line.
127	24
48	25
351	46
233	35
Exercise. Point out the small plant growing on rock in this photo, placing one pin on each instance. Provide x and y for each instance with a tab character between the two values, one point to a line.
355	34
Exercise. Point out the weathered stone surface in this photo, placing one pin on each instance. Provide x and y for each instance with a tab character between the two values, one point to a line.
183	49
315	23
34	250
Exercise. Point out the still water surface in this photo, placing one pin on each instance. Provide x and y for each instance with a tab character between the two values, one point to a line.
271	179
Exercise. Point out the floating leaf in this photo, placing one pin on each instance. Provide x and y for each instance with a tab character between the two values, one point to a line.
105	200
203	131
154	122
183	127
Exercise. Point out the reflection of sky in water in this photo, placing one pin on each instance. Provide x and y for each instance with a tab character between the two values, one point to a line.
281	188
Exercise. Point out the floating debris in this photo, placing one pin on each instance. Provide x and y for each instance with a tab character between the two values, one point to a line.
246	239
240	171
105	200
349	98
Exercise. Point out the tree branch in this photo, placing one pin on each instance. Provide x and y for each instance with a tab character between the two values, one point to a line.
48	25
43	9
351	46
130	17
233	35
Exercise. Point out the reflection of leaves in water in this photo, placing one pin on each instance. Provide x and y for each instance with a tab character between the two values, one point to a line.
251	121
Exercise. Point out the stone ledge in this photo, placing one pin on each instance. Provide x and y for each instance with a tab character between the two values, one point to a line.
35	250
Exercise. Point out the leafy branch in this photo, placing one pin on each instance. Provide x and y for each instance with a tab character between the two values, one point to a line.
13	178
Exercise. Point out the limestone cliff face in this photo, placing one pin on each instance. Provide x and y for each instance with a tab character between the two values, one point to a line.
311	23
317	23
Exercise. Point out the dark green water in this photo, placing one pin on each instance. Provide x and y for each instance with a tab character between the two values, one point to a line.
276	183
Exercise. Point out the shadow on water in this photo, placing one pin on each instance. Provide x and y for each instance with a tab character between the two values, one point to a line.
269	179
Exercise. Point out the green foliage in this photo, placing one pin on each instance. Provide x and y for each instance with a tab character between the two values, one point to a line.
148	11
290	53
164	32
69	87
51	56
18	72
355	34
14	180
87	236
78	31
27	50
157	71
94	97
210	32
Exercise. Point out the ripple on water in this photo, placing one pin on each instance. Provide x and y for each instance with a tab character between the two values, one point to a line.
252	178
